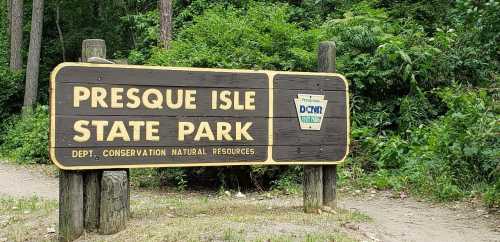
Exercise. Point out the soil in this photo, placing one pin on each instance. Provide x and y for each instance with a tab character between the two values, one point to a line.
393	219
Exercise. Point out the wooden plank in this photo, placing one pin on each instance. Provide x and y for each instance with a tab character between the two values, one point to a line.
275	131
287	132
188	77
64	104
308	82
284	105
167	131
108	156
70	205
309	153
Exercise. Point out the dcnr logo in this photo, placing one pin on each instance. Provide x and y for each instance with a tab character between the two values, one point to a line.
311	109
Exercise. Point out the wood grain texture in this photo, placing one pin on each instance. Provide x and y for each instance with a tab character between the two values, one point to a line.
70	205
313	188
91	199
284	104
114	200
160	77
308	82
309	153
64	103
330	186
289	144
65	156
326	63
168	131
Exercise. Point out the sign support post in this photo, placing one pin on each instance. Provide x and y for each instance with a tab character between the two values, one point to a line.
70	205
87	199
326	63
92	179
320	181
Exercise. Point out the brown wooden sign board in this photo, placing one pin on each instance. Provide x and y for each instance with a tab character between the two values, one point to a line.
124	116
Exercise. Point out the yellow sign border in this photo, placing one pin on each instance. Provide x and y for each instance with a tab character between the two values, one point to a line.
269	161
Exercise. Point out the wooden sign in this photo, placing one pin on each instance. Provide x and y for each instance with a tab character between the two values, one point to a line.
124	116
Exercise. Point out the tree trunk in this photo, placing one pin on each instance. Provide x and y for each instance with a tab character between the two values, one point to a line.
16	35
9	12
59	31
165	23
32	69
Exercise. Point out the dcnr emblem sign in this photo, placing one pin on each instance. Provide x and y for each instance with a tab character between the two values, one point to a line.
124	116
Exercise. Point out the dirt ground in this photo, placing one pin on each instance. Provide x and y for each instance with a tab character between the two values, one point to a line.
195	216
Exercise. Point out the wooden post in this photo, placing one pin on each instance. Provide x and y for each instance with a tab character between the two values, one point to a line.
93	48
326	63
313	188
107	195
114	202
92	179
70	205
92	199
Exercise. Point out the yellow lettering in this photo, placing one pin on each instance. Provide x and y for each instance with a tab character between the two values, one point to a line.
84	132
80	94
185	128
204	131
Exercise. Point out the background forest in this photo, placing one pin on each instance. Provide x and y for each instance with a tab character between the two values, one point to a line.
423	78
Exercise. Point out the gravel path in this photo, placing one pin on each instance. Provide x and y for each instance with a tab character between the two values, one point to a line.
394	220
17	181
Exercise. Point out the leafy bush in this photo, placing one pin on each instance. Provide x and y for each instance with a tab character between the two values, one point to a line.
26	137
10	92
259	37
451	155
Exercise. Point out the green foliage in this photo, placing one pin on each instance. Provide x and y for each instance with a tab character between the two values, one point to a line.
450	155
10	92
26	137
257	38
422	78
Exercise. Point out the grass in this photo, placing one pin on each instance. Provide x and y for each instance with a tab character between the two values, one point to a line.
27	219
189	216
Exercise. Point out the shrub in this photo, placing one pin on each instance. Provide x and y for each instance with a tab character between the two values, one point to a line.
259	37
26	137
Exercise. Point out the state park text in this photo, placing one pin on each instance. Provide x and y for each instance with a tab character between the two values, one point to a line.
105	116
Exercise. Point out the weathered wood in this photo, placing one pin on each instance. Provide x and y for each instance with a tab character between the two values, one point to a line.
153	76
203	105
92	199
92	179
313	188
326	63
330	185
78	116
307	82
128	192
114	202
70	205
309	153
93	48
326	57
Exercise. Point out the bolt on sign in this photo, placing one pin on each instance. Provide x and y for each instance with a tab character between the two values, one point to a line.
125	116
